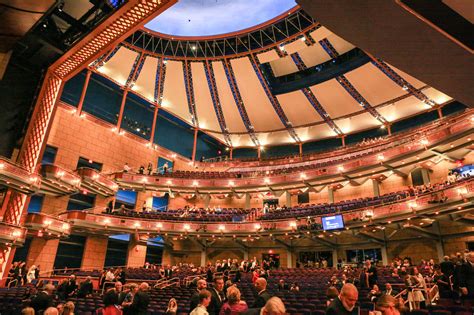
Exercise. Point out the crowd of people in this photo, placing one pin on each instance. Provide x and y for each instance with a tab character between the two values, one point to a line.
218	288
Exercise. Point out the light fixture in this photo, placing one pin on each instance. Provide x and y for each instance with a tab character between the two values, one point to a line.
221	227
266	180
231	183
340	168
303	176
187	227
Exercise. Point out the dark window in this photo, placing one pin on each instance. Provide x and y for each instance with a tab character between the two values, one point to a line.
303	197
417	177
470	246
36	203
73	89
137	116
86	163
21	253
154	250
81	201
160	203
117	250
361	255
49	155
70	252
310	257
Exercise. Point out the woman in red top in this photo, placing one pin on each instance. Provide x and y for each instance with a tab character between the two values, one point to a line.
234	305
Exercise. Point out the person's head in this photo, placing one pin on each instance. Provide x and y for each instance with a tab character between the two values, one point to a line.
68	308
387	304
446	258
274	306
118	286
49	288
233	295
133	287
470	257
51	311
219	283
281	281
260	284
204	297
388	286
332	293
88	279
144	287
28	311
72	277
201	284
349	296
415	271
375	288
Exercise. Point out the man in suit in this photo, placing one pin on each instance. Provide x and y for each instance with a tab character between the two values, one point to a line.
85	289
389	290
466	277
217	297
43	299
447	266
263	295
141	299
201	284
274	306
168	272
112	295
345	303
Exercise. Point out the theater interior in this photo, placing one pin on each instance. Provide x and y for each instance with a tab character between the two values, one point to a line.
285	147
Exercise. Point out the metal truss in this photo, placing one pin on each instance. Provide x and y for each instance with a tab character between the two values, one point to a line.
229	72
329	48
321	111
273	100
270	35
298	61
188	83
135	71
211	82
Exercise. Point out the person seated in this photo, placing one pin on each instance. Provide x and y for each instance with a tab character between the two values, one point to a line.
374	294
345	303
282	286
294	287
85	289
172	307
389	305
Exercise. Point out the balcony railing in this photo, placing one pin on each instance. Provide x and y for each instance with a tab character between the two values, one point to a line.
58	181
96	182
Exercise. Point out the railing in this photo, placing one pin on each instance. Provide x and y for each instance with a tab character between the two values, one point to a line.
55	172
47	224
12	234
167	283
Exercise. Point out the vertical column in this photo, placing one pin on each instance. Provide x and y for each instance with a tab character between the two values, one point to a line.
83	93
203	257
122	106
440	112
43	253
384	255
246	254
389	129
95	250
194	144
231	153
376	187
343	139
136	253
259	152
425	175
289	259
247	201
207	200
288	199
300	146
153	126
334	258
331	195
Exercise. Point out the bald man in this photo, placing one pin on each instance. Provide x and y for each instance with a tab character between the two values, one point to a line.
201	284
345	303
263	295
141	299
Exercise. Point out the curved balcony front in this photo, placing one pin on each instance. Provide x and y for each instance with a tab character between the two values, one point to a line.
96	182
16	177
57	181
12	235
46	226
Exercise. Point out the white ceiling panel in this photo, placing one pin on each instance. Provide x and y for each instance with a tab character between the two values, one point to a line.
403	108
335	99
342	46
229	108
313	55
145	84
283	66
412	80
268	56
319	131
259	109
298	109
202	96
437	96
320	33
357	123
119	66
241	140
295	46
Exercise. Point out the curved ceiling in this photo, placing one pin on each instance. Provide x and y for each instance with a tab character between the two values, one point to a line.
230	100
215	17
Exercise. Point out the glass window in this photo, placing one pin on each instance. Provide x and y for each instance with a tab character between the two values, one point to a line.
83	162
137	116
117	250
70	252
128	198
49	155
36	203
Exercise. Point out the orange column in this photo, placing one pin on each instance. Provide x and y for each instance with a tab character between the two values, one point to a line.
343	138
231	152
440	112
83	93
122	106
300	145
195	144
153	126
258	152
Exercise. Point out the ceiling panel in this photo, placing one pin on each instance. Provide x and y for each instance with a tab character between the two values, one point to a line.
335	99
120	65
413	81
373	84
204	107
357	123
342	46
229	108
145	84
295	46
406	107
283	66
437	96
319	131
298	109
273	138
313	55
268	56
174	92
241	140
320	33
259	109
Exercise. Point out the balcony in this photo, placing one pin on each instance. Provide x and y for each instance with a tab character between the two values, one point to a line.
16	177
57	181
97	183
46	226
12	235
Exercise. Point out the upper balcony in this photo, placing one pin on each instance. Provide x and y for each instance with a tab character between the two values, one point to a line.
58	181
47	226
96	182
16	177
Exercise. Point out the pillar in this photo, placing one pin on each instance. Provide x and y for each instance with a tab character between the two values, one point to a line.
122	107
246	254
207	200
334	258
153	126
259	152
383	250
376	187
425	175
288	199
203	257
440	250
231	153
440	112
289	259
389	129
95	250
343	139
193	158
43	253
167	257
83	93
136	253
247	201
300	145
331	195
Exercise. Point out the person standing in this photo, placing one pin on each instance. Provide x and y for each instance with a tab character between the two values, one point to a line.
263	295
204	301
141	299
217	296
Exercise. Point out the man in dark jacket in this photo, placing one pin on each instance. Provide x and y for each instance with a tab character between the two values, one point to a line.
85	289
201	284
466	276
345	303
263	295
217	297
43	299
141	299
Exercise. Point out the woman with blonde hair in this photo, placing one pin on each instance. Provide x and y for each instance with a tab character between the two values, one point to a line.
68	308
28	311
234	304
